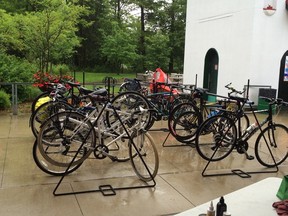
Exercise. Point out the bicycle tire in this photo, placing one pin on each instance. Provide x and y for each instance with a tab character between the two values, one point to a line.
184	121
276	136
128	102
45	111
61	136
145	146
49	168
216	138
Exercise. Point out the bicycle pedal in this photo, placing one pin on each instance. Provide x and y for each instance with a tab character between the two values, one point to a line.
250	157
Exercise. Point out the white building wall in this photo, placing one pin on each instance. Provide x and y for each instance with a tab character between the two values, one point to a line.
249	43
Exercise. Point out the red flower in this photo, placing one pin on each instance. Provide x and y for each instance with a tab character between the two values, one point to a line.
41	79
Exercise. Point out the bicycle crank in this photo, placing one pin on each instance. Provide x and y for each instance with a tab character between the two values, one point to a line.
101	152
242	148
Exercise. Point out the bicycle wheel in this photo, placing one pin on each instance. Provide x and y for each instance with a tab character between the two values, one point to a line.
49	168
184	121
244	122
144	155
127	104
271	143
61	137
45	111
216	138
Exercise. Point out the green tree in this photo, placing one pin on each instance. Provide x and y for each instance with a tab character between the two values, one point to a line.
157	51
119	47
99	17
8	32
49	36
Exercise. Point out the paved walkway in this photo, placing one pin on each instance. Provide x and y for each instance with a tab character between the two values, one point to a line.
26	190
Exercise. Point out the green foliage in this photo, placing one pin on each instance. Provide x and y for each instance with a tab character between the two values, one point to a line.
157	51
119	47
103	35
29	93
61	69
14	69
8	32
4	100
49	35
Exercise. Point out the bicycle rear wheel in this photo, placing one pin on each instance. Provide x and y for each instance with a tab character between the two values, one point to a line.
184	121
63	136
50	168
271	147
144	146
216	138
45	111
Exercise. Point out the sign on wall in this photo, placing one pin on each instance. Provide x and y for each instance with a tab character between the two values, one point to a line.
286	70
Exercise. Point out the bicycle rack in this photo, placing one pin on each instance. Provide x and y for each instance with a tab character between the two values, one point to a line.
240	172
106	189
166	138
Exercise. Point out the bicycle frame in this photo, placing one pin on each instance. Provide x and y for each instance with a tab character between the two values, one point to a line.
102	130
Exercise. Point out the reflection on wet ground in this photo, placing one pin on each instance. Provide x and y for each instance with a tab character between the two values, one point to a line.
26	190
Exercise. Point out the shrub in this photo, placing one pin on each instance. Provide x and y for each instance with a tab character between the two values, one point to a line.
4	100
30	93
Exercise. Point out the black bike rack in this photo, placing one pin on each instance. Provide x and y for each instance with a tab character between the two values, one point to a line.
240	172
166	138
106	189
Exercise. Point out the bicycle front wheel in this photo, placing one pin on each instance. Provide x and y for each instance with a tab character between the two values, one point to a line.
143	155
125	104
216	138
271	147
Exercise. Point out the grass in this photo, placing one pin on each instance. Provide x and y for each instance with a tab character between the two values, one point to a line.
87	77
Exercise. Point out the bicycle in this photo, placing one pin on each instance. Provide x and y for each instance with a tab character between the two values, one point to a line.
164	101
57	104
163	96
67	94
185	119
68	138
218	136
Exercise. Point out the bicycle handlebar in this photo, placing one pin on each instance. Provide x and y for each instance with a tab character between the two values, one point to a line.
233	90
277	101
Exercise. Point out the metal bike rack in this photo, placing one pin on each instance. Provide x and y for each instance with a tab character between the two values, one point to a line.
106	189
166	138
239	172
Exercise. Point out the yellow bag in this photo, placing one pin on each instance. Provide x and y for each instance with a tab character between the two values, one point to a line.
42	101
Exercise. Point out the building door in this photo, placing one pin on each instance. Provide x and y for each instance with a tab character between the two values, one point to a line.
211	72
283	78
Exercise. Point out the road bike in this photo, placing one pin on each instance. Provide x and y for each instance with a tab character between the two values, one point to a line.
219	135
57	104
185	118
68	138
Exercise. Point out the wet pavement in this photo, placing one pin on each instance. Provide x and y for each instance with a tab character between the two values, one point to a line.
26	190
